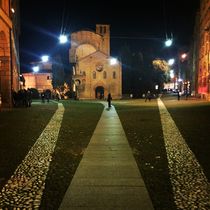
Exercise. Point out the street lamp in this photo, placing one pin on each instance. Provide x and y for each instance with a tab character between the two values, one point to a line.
63	39
168	42
35	68
45	58
113	61
171	61
183	56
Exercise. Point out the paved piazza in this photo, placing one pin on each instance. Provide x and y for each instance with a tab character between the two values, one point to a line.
25	188
190	186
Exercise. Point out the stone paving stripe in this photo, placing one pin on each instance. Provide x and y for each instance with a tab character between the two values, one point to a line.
107	176
25	188
189	183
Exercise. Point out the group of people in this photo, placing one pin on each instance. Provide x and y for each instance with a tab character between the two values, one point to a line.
45	95
22	98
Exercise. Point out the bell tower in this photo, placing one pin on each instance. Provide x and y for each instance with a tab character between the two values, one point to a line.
104	31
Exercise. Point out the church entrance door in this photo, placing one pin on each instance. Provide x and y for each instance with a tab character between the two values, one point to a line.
99	92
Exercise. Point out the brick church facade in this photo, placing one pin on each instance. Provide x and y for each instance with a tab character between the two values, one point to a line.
95	72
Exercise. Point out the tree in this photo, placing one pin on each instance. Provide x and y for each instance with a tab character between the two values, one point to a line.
141	72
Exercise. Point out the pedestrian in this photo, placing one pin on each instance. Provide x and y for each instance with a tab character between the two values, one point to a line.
57	96
178	95
43	97
109	99
148	96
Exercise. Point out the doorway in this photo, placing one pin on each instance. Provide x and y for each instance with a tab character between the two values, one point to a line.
99	92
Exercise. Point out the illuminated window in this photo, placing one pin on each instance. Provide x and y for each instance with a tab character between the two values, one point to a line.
104	75
94	75
114	75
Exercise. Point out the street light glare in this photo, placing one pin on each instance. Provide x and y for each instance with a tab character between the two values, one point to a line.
184	55
45	58
172	73
63	39
168	42
171	62
13	10
35	68
113	61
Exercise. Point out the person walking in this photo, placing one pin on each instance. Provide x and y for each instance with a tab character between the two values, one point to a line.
109	99
148	96
178	95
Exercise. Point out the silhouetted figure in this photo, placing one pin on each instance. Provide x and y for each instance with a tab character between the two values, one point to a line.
109	99
178	95
43	97
57	97
47	96
148	96
29	98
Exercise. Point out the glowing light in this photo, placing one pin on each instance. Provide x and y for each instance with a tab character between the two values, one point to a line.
172	73
171	62
113	61
63	39
180	80
35	68
45	58
13	11
168	42
184	55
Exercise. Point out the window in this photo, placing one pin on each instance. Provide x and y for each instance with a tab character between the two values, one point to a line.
84	74
114	75
48	77
101	29
104	74
94	75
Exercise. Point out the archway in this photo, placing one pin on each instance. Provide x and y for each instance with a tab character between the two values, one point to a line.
99	91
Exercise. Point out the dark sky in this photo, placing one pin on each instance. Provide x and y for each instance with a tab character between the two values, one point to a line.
41	23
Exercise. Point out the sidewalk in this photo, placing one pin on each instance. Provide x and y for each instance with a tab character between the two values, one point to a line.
107	176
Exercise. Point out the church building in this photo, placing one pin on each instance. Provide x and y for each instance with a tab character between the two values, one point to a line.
95	72
9	51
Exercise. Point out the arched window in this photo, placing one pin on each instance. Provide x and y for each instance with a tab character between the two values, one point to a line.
114	75
104	74
94	75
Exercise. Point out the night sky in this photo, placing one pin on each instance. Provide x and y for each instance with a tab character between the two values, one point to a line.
43	20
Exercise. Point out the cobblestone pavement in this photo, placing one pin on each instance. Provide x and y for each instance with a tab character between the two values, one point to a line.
190	186
25	188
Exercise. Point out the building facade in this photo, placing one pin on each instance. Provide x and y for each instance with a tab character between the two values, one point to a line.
95	72
204	50
40	80
9	50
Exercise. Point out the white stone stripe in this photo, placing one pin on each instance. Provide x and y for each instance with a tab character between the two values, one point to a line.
190	185
25	187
